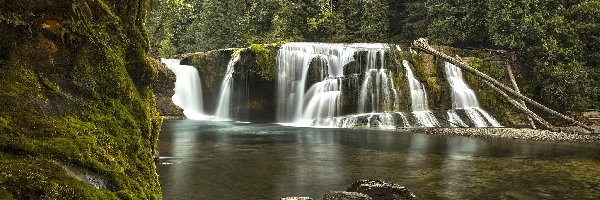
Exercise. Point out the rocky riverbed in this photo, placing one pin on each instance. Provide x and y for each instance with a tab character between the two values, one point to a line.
513	133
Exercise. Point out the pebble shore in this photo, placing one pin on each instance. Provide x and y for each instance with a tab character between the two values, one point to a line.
513	133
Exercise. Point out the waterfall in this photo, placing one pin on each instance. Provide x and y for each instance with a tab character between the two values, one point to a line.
385	121
188	89
318	82
370	91
223	108
463	98
418	96
318	105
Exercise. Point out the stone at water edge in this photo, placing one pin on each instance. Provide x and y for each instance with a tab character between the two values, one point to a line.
380	190
342	195
296	198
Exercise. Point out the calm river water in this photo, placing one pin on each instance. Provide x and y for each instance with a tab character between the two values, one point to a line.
228	160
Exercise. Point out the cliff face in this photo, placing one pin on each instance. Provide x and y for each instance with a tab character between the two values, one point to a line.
163	88
254	82
77	114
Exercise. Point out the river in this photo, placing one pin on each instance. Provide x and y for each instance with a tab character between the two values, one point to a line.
230	160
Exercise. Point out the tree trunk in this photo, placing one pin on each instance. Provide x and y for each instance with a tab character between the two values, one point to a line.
423	45
511	76
531	115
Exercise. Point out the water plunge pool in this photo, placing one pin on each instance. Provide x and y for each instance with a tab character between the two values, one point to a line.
229	160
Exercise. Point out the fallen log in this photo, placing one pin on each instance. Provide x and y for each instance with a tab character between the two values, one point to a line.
521	107
422	44
511	76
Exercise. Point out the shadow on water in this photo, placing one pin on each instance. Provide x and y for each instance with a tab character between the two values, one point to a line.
228	160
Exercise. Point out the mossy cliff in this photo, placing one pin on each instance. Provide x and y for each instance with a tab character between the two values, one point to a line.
76	98
254	80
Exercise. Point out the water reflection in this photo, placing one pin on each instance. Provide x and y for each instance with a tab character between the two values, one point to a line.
227	160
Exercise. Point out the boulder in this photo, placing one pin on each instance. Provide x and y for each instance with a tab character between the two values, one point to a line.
380	190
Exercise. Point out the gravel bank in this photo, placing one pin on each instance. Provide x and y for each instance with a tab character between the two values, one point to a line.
513	133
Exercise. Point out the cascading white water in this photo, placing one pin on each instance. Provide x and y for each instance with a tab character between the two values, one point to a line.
418	96
188	89
318	105
323	104
386	120
378	88
464	98
223	108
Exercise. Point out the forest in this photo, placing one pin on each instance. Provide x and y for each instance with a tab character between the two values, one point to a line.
558	40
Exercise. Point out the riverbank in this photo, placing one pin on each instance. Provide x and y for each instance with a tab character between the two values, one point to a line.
512	133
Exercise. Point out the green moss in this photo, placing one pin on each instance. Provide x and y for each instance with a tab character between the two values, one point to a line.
266	59
27	177
426	72
400	81
256	105
488	98
15	19
84	102
4	125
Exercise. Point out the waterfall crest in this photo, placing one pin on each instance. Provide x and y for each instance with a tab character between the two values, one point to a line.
188	89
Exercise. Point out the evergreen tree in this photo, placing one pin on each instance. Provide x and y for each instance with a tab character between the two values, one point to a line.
163	14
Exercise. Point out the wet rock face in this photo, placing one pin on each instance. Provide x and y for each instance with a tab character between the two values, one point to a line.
163	90
253	97
380	190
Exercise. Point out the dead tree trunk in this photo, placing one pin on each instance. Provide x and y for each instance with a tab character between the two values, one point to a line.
519	105
422	45
511	76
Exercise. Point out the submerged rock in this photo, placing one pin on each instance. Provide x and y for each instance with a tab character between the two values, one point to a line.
380	190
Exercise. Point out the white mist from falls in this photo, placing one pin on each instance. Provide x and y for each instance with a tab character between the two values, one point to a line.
223	108
188	89
418	96
463	98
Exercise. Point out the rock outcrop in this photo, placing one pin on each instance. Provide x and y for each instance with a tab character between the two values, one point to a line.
163	90
75	92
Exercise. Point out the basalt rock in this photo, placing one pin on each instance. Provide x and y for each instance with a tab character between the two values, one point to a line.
254	85
163	90
380	190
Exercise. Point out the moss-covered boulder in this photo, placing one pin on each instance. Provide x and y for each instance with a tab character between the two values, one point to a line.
75	93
